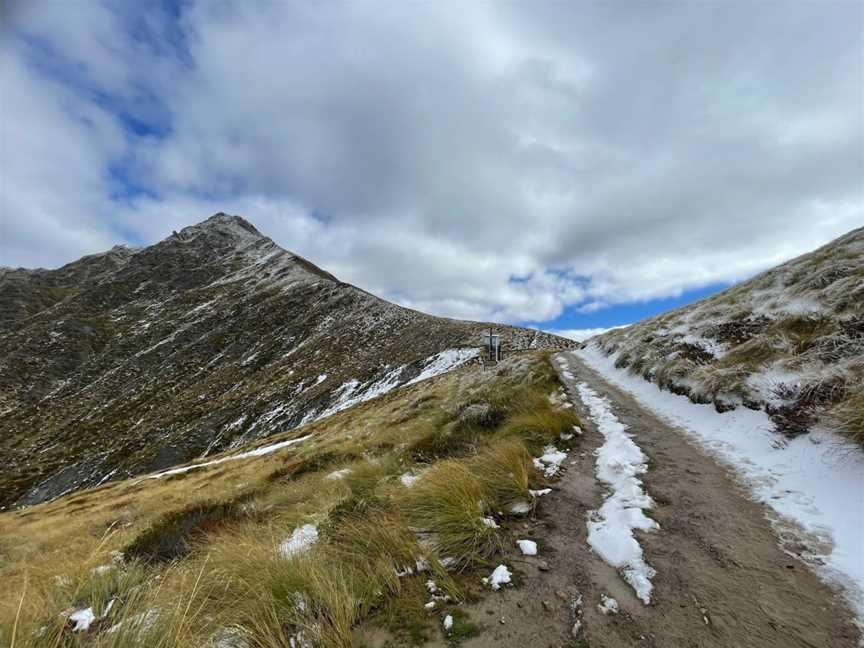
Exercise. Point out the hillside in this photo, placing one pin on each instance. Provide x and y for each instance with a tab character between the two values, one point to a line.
310	539
789	341
472	506
136	360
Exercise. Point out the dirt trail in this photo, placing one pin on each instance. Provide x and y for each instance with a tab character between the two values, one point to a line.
722	580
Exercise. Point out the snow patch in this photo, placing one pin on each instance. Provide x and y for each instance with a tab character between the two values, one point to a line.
443	362
527	547
500	576
300	542
816	480
607	605
336	475
610	529
255	452
408	479
82	619
549	463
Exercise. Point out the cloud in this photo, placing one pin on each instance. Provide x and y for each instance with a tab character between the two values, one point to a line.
580	335
53	152
487	161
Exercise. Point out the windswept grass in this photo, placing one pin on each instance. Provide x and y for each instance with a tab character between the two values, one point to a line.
449	506
505	472
847	418
202	557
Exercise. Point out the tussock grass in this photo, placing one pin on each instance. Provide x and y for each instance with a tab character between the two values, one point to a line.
847	418
505	472
202	553
132	610
449	505
536	422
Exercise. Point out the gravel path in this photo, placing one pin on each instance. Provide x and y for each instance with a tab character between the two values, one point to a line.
722	580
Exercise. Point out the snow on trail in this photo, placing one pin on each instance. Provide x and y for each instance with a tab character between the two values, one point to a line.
816	480
610	529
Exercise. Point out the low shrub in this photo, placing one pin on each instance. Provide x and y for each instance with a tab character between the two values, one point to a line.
172	536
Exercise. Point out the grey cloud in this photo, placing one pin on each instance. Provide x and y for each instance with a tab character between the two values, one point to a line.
601	152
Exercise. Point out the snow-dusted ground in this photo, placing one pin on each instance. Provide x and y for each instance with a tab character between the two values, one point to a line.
255	452
353	392
444	362
610	529
816	480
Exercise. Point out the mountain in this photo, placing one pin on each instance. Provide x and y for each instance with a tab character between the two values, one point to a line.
790	340
135	360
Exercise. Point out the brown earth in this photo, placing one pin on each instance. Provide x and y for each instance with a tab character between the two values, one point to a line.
722	578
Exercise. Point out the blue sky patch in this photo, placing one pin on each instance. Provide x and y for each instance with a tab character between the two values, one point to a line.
620	314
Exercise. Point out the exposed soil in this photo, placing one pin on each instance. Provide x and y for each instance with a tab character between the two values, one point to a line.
722	578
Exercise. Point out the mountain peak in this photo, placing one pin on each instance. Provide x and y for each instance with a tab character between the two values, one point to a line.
222	224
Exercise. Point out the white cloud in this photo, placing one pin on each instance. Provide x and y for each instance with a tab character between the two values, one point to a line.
53	151
479	161
580	335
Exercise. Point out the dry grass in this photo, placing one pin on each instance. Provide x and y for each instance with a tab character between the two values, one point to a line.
505	471
229	520
449	505
847	418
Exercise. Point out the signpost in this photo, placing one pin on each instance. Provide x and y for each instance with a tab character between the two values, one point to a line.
493	342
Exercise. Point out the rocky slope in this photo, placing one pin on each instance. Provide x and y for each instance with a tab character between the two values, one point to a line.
134	360
790	340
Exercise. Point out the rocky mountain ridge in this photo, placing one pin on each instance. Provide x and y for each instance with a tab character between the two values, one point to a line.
135	360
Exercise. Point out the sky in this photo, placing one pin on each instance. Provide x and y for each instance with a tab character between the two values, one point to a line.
565	165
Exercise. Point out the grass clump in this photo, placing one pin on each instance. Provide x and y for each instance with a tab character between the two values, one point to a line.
505	471
448	505
535	421
847	418
130	608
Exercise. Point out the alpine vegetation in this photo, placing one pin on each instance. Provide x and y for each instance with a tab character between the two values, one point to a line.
789	341
307	540
136	360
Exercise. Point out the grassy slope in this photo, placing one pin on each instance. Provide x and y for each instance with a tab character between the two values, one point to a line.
790	340
200	548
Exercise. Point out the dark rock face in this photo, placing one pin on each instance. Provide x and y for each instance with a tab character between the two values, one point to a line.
135	360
